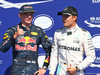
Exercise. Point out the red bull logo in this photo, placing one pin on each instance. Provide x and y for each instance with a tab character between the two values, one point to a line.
27	40
26	47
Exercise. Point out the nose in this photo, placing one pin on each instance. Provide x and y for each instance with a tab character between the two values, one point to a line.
29	16
64	18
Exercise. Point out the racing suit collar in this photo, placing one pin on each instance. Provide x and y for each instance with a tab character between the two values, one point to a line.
71	30
23	27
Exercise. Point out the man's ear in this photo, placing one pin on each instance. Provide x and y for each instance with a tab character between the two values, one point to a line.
19	15
75	18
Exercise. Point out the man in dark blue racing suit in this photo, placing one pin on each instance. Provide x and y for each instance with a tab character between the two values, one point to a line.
25	39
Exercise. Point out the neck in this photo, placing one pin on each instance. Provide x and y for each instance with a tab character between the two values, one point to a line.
72	26
26	25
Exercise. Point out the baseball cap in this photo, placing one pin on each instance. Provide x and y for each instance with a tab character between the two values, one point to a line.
26	8
69	11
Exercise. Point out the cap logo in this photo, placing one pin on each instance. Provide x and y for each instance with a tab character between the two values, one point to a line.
27	7
73	13
66	9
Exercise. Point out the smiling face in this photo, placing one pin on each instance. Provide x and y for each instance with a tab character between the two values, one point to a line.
26	18
69	21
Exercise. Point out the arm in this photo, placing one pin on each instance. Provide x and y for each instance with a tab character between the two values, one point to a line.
54	56
47	47
89	51
7	41
90	54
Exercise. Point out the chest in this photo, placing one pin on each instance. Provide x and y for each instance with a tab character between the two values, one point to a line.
28	37
70	42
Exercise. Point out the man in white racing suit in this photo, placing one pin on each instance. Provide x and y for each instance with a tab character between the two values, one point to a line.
69	45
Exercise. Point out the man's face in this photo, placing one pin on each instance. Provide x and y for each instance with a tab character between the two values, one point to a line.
69	20
26	18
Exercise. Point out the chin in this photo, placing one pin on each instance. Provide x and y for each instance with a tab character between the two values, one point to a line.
65	25
28	22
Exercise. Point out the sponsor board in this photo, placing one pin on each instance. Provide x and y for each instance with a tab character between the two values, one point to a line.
6	4
95	1
0	61
44	21
93	22
96	41
0	22
97	62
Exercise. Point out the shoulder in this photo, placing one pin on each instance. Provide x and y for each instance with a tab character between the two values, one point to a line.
37	28
85	32
13	28
60	30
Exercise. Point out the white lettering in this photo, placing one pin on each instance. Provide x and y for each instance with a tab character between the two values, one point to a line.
0	61
0	22
95	1
26	47
98	58
97	18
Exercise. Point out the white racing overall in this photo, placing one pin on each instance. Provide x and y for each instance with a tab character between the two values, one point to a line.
68	50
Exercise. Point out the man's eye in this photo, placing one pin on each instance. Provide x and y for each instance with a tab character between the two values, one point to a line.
25	14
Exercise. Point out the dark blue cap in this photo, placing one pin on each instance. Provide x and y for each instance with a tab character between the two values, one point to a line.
26	8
